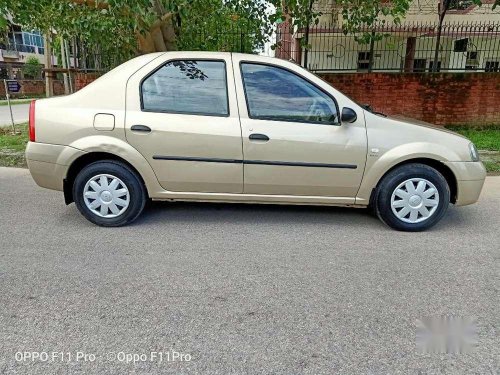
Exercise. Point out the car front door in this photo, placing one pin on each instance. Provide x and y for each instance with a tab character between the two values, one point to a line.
293	142
182	116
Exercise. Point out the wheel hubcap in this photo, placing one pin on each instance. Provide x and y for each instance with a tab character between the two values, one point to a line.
415	200
106	196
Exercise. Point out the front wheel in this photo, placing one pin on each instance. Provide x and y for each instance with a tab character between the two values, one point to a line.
412	197
108	193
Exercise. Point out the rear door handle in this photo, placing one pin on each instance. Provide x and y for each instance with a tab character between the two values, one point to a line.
258	137
140	128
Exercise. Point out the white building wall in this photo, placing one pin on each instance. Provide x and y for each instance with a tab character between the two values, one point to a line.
340	53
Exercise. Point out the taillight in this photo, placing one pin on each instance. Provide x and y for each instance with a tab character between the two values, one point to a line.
32	121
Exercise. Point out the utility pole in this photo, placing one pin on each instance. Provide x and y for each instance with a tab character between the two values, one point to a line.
49	91
68	64
64	66
8	103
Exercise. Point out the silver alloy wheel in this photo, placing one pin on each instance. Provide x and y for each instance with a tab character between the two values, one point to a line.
415	200
106	196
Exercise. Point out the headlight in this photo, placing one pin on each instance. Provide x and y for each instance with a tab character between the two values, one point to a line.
474	155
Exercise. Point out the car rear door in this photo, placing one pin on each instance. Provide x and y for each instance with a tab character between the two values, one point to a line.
293	142
182	116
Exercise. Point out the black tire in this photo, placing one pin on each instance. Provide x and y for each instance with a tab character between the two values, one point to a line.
136	189
386	187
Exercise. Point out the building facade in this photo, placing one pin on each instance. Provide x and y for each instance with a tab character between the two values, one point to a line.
17	46
470	40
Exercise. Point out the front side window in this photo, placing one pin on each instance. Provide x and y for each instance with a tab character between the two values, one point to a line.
274	93
187	86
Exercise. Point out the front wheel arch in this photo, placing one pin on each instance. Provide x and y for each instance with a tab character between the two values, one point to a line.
400	204
85	160
437	165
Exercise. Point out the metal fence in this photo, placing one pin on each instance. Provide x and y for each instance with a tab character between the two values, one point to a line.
405	48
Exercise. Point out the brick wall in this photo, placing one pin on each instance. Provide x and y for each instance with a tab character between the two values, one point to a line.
33	87
441	98
83	79
37	87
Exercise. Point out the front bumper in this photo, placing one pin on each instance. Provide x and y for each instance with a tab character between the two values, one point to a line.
49	164
470	179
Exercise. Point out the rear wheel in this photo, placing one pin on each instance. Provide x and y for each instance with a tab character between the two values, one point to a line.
412	197
109	193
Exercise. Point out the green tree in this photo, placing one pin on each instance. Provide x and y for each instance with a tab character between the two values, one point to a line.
32	68
123	28
444	7
360	17
357	14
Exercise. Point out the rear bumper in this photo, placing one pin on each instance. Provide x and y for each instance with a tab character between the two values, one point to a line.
49	164
470	180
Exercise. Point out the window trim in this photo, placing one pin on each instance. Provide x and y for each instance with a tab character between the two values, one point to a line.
185	112
338	123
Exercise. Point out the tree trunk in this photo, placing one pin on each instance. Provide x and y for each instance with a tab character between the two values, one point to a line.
445	5
411	44
372	51
161	36
306	50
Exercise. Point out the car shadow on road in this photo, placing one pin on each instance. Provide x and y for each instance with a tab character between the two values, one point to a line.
158	212
161	214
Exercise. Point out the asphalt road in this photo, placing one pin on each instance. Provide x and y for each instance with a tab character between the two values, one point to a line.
240	288
20	112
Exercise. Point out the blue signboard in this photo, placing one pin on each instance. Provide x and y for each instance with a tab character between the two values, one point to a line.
13	86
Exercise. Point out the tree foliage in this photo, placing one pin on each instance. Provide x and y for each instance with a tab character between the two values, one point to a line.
127	27
32	67
123	28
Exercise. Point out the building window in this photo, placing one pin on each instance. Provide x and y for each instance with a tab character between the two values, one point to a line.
472	55
431	66
24	41
461	4
461	45
3	73
419	65
363	60
472	62
492	66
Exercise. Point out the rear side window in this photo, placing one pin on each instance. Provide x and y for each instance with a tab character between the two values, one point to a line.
277	94
187	86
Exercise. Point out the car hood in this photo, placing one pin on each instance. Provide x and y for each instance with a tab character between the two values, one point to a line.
424	124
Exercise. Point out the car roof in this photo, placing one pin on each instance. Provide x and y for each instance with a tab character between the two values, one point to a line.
215	54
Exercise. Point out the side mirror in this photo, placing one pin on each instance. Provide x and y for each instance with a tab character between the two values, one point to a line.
348	115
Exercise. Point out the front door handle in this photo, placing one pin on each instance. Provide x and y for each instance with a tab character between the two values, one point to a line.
140	128
258	137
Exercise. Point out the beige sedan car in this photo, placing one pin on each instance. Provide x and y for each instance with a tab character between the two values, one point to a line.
222	127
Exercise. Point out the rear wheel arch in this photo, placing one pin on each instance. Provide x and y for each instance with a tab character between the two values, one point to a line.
433	163
87	159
